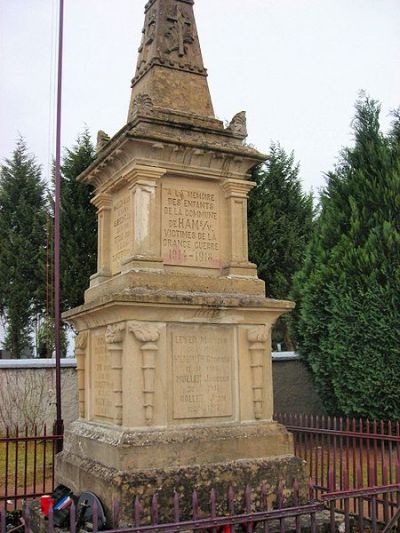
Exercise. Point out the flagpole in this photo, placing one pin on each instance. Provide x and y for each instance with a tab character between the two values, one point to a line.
57	204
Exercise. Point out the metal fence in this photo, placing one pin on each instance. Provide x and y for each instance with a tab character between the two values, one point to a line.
27	463
346	453
346	460
249	513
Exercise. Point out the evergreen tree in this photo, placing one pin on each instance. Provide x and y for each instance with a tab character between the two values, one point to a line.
280	223
78	224
22	246
349	289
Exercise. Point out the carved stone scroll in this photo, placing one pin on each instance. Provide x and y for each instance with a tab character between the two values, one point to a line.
114	339
80	354
238	125
102	139
257	338
148	335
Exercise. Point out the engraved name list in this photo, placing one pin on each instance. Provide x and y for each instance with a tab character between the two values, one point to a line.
202	372
102	386
121	232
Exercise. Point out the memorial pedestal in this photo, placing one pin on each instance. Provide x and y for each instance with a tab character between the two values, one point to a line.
175	394
174	344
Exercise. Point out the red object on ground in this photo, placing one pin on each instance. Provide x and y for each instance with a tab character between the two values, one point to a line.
45	502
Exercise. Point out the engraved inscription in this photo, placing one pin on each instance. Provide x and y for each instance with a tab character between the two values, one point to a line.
121	227
190	229
102	378
202	372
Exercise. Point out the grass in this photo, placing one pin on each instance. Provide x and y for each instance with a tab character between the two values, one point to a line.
22	466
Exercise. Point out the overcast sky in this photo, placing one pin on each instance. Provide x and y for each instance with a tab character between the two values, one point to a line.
295	66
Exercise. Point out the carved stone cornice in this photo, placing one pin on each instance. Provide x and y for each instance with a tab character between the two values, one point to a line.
169	143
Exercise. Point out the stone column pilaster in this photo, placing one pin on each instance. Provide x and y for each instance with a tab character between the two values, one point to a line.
236	194
146	201
114	340
80	354
148	336
103	203
257	338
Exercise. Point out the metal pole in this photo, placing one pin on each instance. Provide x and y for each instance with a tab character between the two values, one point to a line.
57	202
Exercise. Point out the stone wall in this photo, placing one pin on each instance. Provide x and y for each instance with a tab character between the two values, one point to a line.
294	391
27	392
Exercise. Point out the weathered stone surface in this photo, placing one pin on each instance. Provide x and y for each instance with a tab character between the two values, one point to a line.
170	69
146	449
124	486
175	378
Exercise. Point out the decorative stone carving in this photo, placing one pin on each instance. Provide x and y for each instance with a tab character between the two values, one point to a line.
169	38
179	33
238	125
142	103
257	338
80	353
148	31
81	341
102	140
148	335
114	333
114	338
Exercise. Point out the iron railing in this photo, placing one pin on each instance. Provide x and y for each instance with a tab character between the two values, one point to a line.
27	463
341	455
244	515
346	453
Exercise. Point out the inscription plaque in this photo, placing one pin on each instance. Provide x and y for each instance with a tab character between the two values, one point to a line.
102	375
202	371
121	231
190	226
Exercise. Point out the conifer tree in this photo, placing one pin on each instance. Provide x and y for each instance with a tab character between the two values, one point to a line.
349	289
22	246
280	222
78	224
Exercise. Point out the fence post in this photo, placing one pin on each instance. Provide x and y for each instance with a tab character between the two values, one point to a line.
58	433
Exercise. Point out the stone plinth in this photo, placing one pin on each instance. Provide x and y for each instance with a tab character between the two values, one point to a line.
174	344
175	388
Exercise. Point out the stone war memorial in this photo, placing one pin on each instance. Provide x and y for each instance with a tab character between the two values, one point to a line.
174	346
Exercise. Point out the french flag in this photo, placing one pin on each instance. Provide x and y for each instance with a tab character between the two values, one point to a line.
64	503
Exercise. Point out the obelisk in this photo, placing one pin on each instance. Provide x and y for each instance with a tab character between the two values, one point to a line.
174	343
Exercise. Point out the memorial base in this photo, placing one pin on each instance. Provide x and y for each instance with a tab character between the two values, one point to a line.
120	465
175	393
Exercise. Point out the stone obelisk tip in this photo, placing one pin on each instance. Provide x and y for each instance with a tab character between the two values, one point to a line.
170	69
